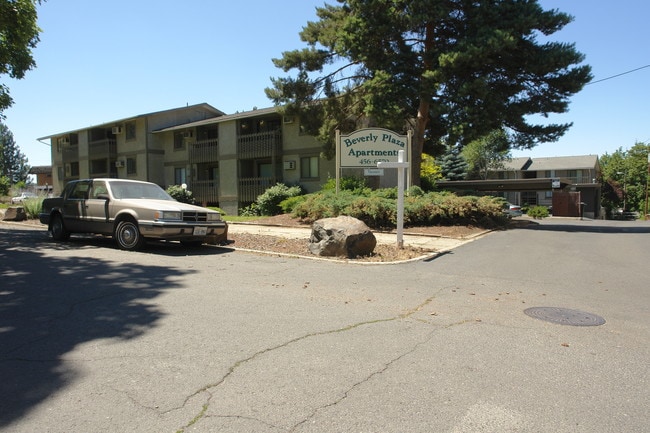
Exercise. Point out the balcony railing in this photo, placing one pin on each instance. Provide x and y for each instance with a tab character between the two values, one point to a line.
261	145
205	191
106	148
204	151
70	153
251	187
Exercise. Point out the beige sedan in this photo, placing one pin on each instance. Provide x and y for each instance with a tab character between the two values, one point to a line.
131	212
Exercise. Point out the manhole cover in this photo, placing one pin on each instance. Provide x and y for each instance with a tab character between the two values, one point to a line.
564	316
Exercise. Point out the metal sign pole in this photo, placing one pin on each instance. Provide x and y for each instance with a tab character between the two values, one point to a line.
400	165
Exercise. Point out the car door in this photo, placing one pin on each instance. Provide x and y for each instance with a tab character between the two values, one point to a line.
97	204
74	207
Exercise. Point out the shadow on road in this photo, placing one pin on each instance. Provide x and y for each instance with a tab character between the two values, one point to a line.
50	304
585	226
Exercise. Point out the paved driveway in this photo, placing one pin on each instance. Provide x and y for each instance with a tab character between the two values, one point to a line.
97	339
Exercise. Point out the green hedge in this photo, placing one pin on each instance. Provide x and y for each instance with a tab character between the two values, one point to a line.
378	209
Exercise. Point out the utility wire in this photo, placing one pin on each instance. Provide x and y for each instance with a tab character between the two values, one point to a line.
617	75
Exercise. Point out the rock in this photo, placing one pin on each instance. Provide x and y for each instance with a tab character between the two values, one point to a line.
15	214
341	236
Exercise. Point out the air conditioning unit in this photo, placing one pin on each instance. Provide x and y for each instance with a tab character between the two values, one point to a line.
289	165
117	130
119	163
187	134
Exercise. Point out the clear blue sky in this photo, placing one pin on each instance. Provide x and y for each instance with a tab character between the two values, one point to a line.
103	60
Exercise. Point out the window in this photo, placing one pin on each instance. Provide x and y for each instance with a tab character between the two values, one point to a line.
131	166
180	176
98	166
130	130
309	167
98	187
179	142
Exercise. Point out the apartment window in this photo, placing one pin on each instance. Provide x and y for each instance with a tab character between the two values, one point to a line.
131	166
129	128
98	166
180	176
179	142
309	167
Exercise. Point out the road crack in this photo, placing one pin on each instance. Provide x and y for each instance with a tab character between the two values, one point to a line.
233	368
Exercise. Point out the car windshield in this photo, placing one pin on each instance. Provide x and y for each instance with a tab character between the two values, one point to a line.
126	190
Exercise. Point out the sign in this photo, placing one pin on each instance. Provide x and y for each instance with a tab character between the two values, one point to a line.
373	172
555	183
369	146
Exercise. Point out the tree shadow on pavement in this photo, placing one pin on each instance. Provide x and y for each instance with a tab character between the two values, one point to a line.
50	305
586	226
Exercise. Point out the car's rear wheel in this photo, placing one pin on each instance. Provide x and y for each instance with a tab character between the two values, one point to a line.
59	232
127	235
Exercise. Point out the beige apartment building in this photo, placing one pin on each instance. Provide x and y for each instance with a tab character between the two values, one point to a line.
225	160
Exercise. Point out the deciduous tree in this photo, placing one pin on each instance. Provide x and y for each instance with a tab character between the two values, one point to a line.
18	35
451	69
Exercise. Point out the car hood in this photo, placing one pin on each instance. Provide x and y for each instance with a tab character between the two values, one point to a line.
166	205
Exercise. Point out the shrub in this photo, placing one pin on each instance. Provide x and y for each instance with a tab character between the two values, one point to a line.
379	208
181	194
249	211
268	203
33	206
538	212
288	204
348	183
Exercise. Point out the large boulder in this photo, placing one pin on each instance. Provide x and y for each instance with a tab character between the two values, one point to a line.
341	236
15	214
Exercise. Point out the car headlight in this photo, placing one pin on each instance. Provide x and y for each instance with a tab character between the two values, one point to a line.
214	216
167	215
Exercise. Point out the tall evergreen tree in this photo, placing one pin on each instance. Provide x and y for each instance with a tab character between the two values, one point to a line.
452	69
13	163
453	165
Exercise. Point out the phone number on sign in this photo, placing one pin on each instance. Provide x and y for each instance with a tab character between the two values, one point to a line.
373	162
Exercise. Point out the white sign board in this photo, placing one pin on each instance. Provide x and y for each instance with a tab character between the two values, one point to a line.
369	146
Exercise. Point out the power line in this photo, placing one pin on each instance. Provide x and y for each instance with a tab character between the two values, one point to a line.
618	75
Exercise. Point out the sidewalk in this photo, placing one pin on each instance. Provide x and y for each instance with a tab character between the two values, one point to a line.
434	243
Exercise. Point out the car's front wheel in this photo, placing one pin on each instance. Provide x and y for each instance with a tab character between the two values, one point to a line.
59	232
127	235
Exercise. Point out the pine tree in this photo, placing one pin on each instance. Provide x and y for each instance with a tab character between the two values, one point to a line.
454	166
450	69
13	163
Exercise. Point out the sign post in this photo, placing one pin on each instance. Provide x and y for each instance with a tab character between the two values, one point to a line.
400	165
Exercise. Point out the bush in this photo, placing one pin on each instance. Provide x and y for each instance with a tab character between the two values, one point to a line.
538	212
348	183
33	206
288	204
249	211
379	208
181	194
268	203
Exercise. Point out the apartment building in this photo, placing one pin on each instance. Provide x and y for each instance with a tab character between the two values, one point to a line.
225	160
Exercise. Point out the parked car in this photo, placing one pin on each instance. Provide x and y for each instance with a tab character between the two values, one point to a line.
512	210
131	212
22	196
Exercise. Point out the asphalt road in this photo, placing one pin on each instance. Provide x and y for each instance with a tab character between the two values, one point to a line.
172	340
